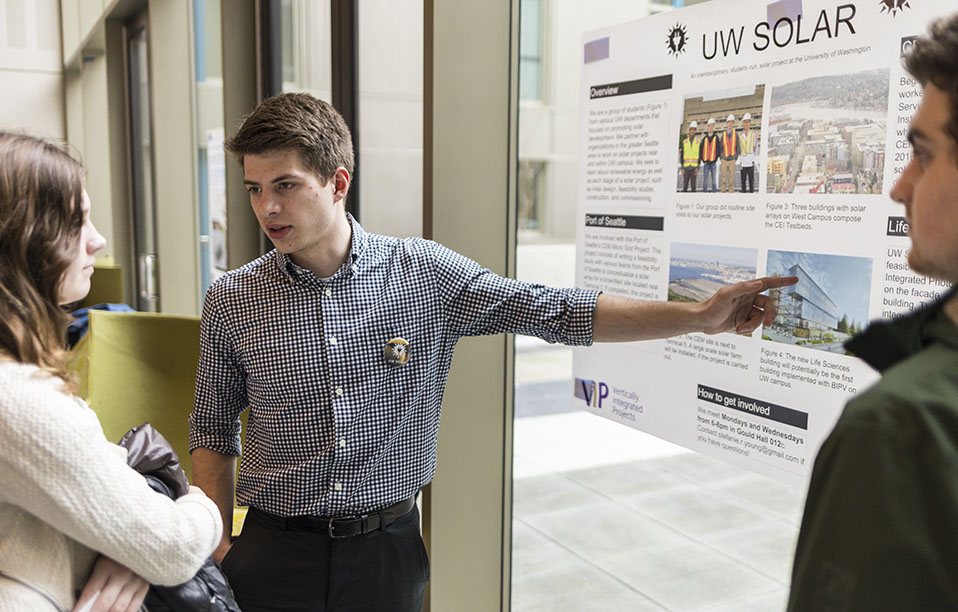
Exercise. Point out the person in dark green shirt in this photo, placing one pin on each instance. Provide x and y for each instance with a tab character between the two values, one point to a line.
880	530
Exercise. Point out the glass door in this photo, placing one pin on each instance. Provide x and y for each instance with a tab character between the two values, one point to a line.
140	159
606	517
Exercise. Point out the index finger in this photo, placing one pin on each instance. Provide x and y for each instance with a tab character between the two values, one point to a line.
757	285
774	282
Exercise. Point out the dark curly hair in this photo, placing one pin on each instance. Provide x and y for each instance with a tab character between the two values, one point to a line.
933	58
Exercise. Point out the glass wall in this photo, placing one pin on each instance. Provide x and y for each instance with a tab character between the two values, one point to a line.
210	133
389	144
606	517
389	166
307	57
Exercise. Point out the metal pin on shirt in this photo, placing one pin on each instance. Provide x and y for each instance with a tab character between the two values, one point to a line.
396	352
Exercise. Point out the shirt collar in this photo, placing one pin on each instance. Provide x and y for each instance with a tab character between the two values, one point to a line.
885	343
350	267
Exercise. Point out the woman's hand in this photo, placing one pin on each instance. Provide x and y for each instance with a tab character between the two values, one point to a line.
115	588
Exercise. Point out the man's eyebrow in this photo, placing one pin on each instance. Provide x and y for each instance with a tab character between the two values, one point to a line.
278	179
283	177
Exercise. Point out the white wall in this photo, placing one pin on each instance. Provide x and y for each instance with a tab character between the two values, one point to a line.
31	68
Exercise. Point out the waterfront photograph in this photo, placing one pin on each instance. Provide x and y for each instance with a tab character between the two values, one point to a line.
696	271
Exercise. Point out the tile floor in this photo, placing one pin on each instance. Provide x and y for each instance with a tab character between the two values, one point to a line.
610	519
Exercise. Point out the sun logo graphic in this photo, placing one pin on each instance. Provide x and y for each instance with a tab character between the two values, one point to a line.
586	390
893	6
677	40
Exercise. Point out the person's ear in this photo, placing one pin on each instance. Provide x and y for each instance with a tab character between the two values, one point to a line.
341	180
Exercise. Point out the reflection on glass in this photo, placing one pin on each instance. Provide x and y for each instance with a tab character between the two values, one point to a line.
210	159
530	49
307	60
389	146
606	517
141	148
389	167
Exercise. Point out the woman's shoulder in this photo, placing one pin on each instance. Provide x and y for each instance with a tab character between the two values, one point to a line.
32	395
16	376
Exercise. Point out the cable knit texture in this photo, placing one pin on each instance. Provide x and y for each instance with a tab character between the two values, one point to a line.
67	494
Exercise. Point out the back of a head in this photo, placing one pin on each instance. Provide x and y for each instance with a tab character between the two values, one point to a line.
933	59
298	122
41	215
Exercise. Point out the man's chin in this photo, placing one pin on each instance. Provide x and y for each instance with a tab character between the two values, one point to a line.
919	266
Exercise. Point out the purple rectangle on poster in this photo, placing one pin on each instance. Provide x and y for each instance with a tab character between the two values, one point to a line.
596	50
782	9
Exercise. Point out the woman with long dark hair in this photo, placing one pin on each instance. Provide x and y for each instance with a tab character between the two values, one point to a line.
76	524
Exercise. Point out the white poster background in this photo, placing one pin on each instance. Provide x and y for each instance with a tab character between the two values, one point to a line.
760	404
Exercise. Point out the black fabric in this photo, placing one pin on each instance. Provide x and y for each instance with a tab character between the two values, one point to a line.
885	343
340	527
748	174
287	570
207	591
149	453
688	178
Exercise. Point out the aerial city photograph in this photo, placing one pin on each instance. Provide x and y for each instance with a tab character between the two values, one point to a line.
827	134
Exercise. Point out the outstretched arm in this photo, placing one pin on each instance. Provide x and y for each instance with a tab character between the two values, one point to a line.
740	308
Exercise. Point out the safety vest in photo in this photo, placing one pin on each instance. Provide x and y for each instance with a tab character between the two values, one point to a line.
729	144
690	153
710	148
748	143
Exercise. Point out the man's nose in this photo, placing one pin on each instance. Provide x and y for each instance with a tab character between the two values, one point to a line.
901	190
268	204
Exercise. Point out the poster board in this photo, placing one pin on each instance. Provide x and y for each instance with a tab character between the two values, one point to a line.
828	108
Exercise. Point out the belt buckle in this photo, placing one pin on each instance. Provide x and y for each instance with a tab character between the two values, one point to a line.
332	531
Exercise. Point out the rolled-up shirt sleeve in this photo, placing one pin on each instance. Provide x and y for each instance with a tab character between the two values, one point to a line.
220	395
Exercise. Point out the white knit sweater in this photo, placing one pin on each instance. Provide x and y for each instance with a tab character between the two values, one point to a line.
66	494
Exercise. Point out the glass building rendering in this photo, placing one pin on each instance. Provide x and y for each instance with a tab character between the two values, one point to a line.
810	306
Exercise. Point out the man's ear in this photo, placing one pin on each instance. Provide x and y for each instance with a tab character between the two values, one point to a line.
341	180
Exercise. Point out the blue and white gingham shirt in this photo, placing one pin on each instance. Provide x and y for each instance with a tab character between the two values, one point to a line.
333	429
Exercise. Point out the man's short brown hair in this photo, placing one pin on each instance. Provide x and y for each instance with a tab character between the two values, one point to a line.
299	122
933	58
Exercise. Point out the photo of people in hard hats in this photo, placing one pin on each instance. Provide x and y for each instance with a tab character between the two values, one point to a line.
719	141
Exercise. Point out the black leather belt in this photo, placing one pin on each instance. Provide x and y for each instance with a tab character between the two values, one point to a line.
338	527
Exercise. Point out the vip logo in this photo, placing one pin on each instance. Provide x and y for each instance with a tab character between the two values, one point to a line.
592	393
893	6
677	40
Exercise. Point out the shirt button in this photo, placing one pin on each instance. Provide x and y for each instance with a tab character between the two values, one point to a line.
333	340
328	292
338	486
339	390
342	442
355	268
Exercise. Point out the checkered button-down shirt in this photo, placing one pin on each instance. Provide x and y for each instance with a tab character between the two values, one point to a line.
333	428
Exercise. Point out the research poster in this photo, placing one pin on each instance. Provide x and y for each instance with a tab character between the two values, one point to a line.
737	139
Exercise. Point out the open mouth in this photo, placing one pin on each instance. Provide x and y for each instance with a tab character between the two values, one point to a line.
277	232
